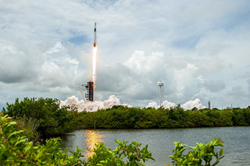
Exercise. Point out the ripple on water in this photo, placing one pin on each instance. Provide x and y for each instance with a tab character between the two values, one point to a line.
161	141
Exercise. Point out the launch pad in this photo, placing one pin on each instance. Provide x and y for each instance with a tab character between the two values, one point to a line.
90	91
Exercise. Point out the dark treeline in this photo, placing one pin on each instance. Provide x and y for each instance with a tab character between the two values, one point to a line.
119	117
45	118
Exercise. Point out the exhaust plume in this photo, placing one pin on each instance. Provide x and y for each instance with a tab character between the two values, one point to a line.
81	105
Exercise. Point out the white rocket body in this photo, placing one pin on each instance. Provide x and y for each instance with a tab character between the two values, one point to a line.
95	36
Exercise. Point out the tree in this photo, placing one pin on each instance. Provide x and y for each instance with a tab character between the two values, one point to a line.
52	119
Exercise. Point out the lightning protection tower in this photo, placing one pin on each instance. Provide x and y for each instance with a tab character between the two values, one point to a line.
160	84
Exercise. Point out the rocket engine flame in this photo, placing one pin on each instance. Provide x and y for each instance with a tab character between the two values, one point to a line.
94	66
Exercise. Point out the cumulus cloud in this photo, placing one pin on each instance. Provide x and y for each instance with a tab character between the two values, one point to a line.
136	78
237	91
16	65
150	69
213	86
45	49
248	81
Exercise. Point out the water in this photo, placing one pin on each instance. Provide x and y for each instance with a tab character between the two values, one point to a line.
161	141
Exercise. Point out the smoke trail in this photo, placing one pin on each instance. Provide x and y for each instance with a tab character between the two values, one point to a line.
94	58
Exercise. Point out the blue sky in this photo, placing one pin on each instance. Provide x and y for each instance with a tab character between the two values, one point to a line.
199	49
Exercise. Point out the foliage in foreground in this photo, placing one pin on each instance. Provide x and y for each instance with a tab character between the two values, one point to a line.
15	150
29	127
132	154
202	153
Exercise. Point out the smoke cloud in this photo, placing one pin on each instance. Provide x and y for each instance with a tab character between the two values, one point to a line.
92	106
81	105
191	104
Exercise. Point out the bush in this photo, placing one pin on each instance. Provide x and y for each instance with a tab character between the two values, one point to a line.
47	118
15	150
202	153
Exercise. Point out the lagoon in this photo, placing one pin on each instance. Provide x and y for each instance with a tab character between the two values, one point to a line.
161	141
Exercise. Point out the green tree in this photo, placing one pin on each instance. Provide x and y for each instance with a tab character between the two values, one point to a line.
52	119
15	150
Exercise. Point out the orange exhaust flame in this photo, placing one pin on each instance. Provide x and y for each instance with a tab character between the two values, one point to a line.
94	66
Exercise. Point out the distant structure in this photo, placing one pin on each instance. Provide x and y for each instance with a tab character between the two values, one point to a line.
160	84
208	104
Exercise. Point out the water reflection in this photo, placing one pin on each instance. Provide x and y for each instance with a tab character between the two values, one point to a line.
160	141
92	138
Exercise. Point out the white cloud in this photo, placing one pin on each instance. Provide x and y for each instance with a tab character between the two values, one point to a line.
213	86
16	65
184	44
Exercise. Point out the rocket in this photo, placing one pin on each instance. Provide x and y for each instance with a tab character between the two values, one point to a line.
94	58
90	86
95	36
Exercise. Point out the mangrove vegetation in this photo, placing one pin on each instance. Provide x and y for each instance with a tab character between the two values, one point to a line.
45	118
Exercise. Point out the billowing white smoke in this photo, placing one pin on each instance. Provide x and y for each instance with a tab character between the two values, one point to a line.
191	104
186	106
112	101
152	105
165	104
92	106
